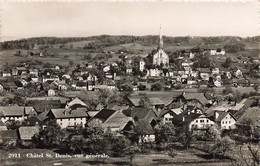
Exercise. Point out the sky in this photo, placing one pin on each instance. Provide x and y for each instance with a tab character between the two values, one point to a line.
81	19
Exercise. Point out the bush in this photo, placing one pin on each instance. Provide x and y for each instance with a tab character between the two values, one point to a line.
156	87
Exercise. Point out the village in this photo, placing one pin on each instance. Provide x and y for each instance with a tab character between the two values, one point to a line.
145	97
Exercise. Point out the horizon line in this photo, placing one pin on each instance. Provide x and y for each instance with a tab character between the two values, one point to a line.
25	38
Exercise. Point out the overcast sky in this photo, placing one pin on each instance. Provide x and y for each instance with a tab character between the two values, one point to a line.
80	19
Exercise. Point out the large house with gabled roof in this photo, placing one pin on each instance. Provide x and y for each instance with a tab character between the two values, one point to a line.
68	117
18	113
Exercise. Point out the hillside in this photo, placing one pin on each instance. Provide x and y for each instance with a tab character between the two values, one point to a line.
104	41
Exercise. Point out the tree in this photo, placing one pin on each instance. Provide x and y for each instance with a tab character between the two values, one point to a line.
119	145
227	63
49	137
221	146
71	62
141	87
13	124
156	87
144	101
164	134
185	135
131	152
227	90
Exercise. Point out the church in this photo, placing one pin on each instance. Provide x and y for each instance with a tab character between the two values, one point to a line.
159	56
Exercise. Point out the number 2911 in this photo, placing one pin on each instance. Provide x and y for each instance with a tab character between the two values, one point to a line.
14	155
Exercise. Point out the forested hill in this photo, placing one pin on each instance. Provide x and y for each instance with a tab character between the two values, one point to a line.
113	40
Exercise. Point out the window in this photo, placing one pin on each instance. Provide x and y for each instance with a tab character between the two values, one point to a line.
226	122
74	123
196	121
75	119
201	121
61	120
80	118
207	121
229	122
69	119
223	122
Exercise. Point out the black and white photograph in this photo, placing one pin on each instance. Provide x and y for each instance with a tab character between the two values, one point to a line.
129	83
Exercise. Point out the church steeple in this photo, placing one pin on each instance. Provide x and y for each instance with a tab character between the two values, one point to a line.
160	44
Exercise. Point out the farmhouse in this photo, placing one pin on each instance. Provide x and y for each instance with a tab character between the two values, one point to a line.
19	113
68	117
166	116
225	120
26	133
201	122
135	101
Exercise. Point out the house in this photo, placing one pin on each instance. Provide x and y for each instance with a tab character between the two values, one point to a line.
215	71
192	109
251	114
81	85
147	130
91	85
129	70
15	72
238	73
26	133
220	51
41	104
135	101
18	84
18	113
141	65
118	122
35	78
9	136
62	85
41	119
154	72
34	72
201	122
46	78
1	88
240	107
100	117
225	120
75	103
51	92
145	121
193	120
68	117
6	74
166	116
204	73
195	99
9	86
186	62
217	83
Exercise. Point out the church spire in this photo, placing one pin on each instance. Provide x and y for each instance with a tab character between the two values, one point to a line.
160	44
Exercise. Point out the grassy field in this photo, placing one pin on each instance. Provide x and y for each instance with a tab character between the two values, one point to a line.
187	157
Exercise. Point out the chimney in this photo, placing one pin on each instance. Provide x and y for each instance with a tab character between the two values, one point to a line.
216	114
